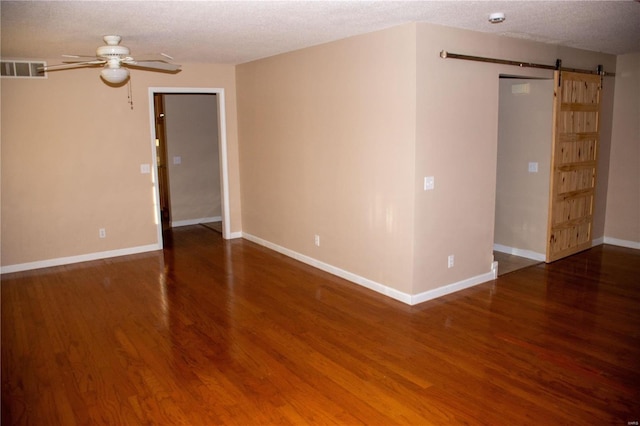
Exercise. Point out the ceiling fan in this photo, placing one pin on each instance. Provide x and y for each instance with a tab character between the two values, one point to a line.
115	59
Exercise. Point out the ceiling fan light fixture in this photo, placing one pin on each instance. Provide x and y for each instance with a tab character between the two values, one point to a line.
114	75
497	17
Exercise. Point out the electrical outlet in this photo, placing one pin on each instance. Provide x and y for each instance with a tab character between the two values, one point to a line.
316	240
102	233
450	260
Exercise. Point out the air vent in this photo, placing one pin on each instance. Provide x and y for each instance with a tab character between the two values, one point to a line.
22	69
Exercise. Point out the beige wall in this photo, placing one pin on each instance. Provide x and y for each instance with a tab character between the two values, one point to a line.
336	140
457	132
524	136
71	154
327	140
192	136
623	198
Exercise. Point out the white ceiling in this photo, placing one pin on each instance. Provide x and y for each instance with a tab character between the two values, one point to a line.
234	32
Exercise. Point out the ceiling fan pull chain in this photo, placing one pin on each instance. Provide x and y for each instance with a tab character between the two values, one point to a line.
130	94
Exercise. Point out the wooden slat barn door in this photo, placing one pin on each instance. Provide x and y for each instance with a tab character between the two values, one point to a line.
576	125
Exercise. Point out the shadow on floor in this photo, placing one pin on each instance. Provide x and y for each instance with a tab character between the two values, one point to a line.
509	262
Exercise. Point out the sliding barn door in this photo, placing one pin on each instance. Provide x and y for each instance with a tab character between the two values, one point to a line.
576	125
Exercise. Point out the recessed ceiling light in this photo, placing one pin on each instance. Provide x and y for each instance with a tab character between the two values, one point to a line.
496	18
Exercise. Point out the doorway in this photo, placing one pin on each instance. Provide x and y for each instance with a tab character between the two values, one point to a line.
165	158
525	116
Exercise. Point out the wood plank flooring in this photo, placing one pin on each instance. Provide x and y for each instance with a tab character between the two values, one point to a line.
227	332
508	263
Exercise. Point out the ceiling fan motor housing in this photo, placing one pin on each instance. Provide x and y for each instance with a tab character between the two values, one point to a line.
112	51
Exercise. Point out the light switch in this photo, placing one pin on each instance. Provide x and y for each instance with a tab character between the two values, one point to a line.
429	183
145	168
177	160
533	167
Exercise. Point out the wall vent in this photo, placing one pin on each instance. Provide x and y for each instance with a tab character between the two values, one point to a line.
22	69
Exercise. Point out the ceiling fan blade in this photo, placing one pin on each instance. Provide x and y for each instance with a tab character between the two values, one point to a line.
80	57
71	59
153	65
152	57
72	65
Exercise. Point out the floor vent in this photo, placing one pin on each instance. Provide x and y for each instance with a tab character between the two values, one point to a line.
22	69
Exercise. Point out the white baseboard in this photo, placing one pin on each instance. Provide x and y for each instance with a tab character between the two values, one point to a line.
349	276
520	252
233	235
541	257
494	269
77	259
179	223
621	243
452	288
372	285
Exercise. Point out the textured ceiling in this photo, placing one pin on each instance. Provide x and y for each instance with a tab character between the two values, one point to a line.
234	32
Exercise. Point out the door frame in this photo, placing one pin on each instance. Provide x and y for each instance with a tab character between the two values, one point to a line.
161	153
222	151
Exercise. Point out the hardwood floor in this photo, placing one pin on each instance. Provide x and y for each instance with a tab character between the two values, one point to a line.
227	332
508	263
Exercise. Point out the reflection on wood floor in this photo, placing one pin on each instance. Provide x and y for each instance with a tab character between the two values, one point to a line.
508	262
215	226
211	332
